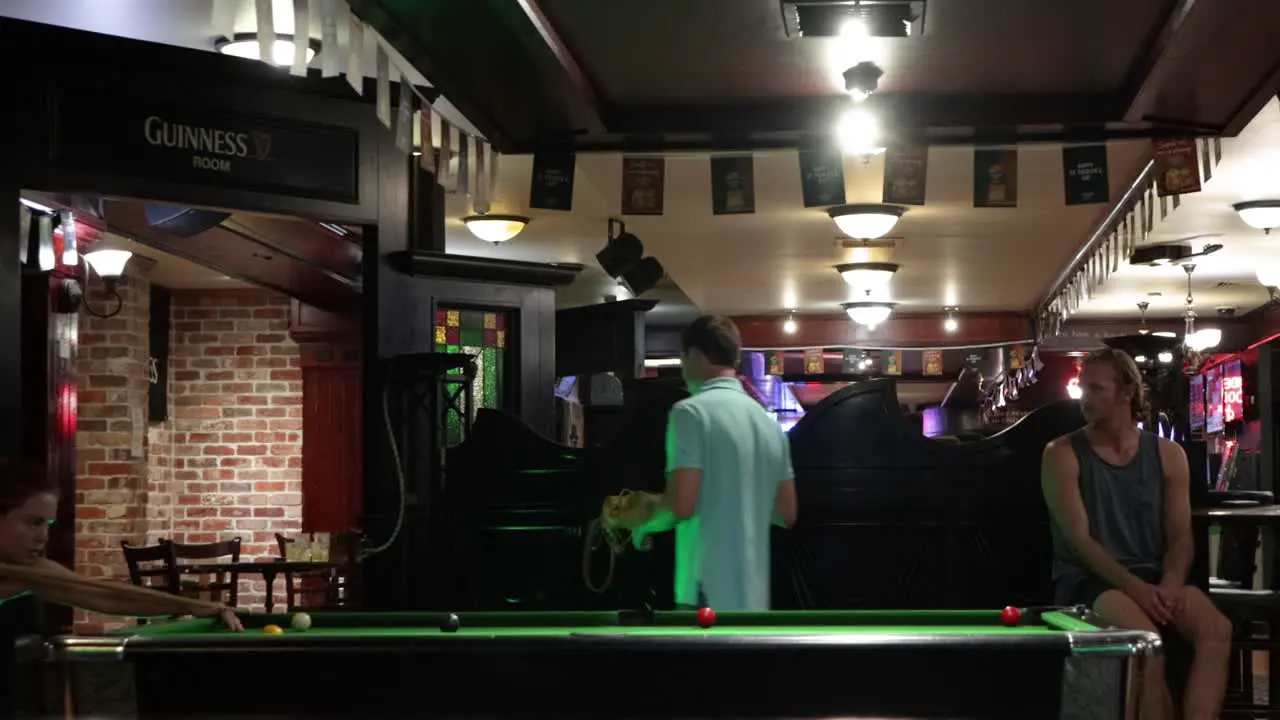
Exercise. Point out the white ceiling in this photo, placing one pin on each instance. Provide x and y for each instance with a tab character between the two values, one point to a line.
196	24
1227	277
782	256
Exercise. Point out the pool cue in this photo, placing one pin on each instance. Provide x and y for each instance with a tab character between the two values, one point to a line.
35	578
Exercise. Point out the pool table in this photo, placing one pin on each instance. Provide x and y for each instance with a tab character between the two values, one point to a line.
917	664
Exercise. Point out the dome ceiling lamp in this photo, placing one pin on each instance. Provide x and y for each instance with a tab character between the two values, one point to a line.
867	221
1261	215
869	313
496	229
868	276
1269	278
245	45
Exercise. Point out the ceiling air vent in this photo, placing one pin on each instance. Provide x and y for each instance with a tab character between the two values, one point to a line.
868	18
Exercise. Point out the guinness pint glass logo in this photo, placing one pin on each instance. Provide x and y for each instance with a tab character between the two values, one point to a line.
211	148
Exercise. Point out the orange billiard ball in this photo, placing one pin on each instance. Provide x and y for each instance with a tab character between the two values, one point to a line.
273	630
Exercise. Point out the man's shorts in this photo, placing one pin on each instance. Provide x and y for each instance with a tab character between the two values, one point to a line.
1086	590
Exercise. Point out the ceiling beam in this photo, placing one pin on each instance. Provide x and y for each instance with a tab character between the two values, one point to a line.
917	112
1211	66
1141	79
585	107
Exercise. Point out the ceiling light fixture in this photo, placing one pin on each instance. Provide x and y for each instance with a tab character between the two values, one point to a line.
868	313
496	228
789	326
1261	215
952	323
245	45
861	80
858	132
867	276
866	221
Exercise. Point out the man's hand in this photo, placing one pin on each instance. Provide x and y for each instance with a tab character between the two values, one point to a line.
629	511
1172	595
641	540
1153	602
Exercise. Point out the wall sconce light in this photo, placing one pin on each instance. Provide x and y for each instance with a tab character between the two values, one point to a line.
109	265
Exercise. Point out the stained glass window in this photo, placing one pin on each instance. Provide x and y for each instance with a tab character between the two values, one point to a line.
483	335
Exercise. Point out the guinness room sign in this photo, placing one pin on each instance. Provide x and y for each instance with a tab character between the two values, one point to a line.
141	138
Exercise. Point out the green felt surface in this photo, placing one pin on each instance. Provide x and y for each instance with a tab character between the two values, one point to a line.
668	631
547	624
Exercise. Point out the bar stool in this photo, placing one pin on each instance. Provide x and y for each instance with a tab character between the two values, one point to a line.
1254	613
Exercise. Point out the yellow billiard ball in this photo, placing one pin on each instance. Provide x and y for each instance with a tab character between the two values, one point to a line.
301	621
273	630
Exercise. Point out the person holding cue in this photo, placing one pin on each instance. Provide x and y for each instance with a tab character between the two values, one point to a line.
28	506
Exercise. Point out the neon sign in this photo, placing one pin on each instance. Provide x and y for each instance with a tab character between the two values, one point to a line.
1232	393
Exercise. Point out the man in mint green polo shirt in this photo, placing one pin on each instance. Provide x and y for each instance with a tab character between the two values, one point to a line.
729	478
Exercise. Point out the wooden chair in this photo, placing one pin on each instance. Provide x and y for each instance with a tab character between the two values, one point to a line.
221	587
162	575
331	589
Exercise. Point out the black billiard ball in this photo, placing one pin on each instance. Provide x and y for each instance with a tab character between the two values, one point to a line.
450	623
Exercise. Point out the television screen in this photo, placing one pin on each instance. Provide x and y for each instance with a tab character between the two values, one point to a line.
1197	403
1213	420
1232	391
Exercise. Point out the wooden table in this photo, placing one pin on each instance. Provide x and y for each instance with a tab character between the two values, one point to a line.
268	569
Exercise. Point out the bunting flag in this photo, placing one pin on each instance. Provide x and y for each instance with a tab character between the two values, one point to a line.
462	162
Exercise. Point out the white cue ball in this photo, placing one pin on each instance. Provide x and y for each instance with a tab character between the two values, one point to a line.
301	621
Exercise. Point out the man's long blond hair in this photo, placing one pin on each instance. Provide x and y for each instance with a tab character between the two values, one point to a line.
1126	373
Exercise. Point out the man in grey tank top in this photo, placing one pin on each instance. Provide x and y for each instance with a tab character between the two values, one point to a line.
1120	503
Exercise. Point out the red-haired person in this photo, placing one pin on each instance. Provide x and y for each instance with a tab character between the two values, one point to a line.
28	506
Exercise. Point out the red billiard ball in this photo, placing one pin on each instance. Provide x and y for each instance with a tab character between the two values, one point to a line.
1011	615
706	617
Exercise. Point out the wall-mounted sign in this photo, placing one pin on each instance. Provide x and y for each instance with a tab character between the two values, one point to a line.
148	139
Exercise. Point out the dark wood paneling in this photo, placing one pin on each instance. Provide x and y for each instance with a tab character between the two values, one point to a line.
308	323
48	401
239	256
304	241
899	331
12	310
332	408
332	438
247	86
609	337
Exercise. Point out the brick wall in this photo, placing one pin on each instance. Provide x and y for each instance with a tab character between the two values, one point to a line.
236	416
112	493
227	462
